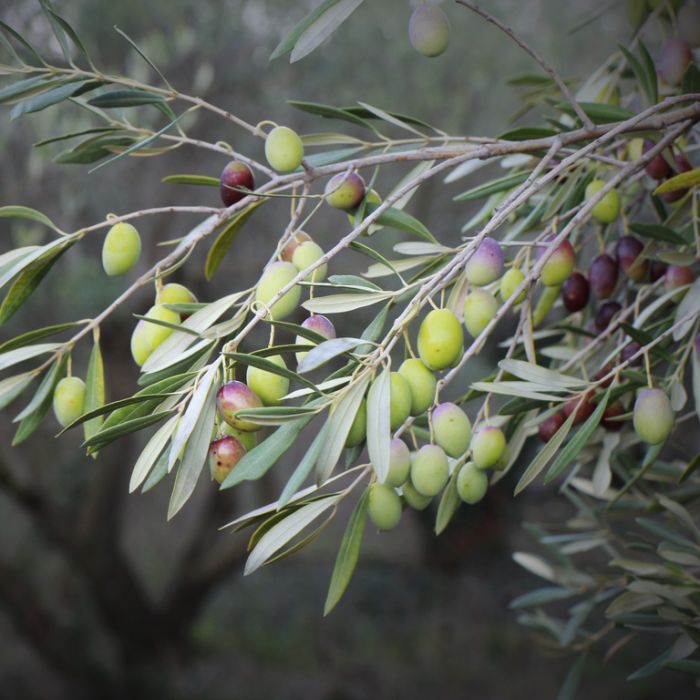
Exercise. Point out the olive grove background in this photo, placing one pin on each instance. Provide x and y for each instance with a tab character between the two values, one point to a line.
99	596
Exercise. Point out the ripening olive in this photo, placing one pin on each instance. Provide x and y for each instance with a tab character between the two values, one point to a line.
307	254
121	249
658	167
358	429
608	208
421	382
383	506
429	30
486	263
274	278
345	191
399	463
549	426
287	252
452	429
235	177
652	416
224	454
559	265
400	392
233	397
284	149
413	498
472	483
480	307
488	444
429	470
673	61
318	324
148	336
510	282
270	387
440	339
69	400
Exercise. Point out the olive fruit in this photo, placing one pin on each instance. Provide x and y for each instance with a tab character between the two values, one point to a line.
652	416
510	281
121	249
284	149
318	324
429	470
224	454
689	25
682	166
657	270
452	429
270	387
287	252
399	463
235	177
429	30
605	314
148	336
486	263
549	426
629	351
233	397
602	276
306	255
635	149
358	429
582	405
421	382
628	250
480	307
674	59
560	264
400	393
658	167
69	400
276	276
345	191
174	293
247	439
575	292
608	208
440	339
472	483
612	411
678	276
383	506
488	444
415	500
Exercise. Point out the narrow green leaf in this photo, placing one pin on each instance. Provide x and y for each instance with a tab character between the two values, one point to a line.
12	387
107	435
303	469
545	454
194	456
348	554
58	32
395	218
14	357
501	184
225	238
525	133
640	73
94	390
379	424
340	303
125	98
150	453
330	113
18	212
650	71
578	442
684	181
258	461
449	503
44	390
597	112
37	334
28	280
46	99
143	55
28	86
326	351
193	180
658	232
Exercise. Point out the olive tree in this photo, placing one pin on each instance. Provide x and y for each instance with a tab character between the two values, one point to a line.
583	248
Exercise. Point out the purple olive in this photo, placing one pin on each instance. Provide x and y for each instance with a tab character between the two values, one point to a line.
658	167
602	276
234	176
548	427
628	250
605	314
575	292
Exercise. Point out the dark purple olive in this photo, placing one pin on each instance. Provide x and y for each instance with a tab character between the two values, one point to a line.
602	276
612	411
548	427
657	270
678	276
575	292
627	250
603	372
630	350
235	175
682	166
582	405
605	314
658	167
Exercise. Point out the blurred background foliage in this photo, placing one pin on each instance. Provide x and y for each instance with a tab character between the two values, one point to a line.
99	596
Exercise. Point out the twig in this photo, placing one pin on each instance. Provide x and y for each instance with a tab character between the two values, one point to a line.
585	120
